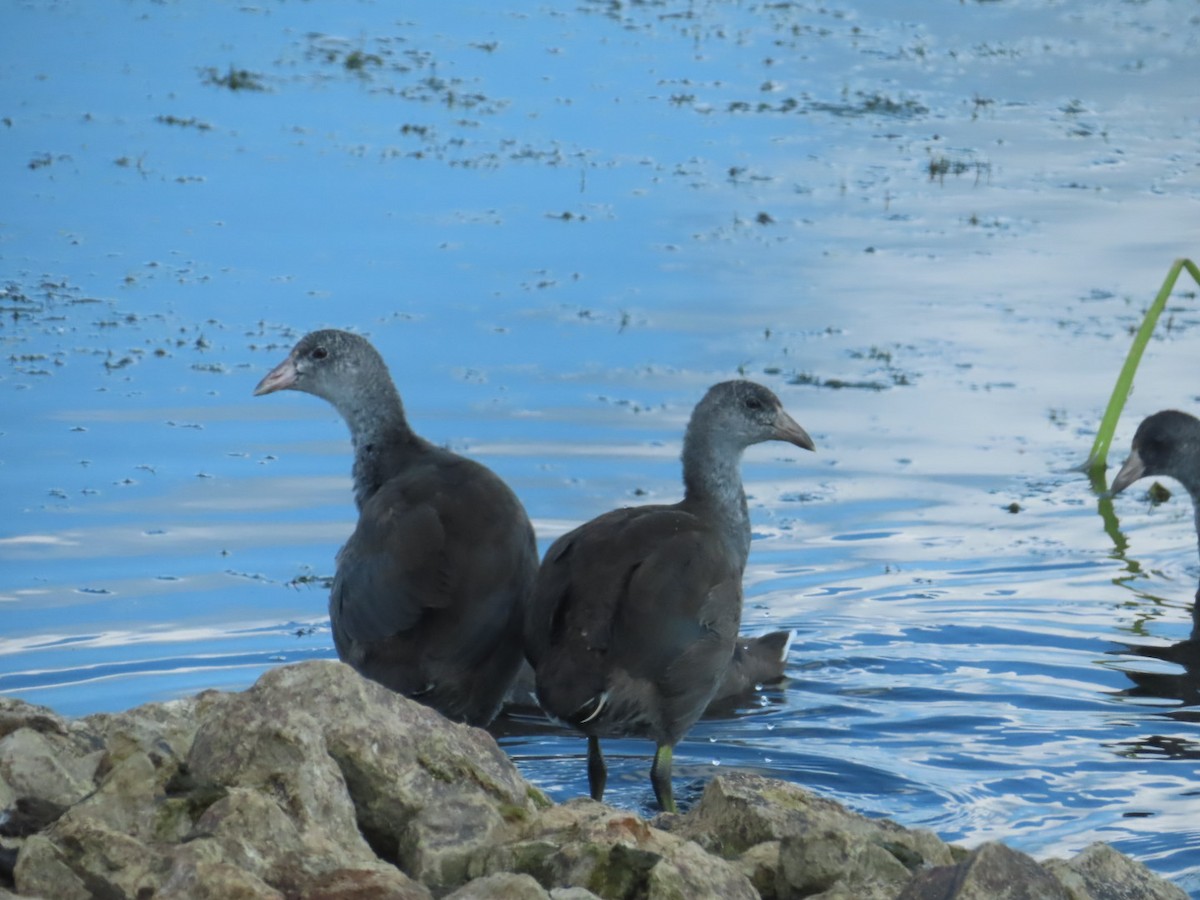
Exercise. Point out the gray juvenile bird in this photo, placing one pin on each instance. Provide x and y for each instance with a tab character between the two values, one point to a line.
430	591
635	614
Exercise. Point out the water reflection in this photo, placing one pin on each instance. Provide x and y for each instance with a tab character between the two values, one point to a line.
1177	682
1180	685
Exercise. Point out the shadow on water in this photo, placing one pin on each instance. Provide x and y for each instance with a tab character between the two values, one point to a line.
1181	686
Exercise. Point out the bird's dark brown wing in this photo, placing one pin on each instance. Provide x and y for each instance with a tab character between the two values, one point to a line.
647	591
439	536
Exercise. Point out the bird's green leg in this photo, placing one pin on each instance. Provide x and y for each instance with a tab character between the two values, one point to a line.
597	771
660	777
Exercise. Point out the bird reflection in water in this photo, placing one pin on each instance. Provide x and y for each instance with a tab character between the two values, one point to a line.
1168	444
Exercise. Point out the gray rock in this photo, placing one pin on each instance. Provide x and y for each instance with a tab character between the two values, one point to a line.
197	876
431	794
78	857
820	844
278	800
359	884
1101	873
991	871
614	854
46	762
760	864
162	731
42	870
819	862
501	886
363	772
17	714
288	782
251	830
317	784
127	799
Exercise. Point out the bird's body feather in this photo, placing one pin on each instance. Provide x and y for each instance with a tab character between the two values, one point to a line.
659	621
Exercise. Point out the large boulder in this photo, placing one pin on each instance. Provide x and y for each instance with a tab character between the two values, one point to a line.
363	773
1101	873
42	756
314	776
615	854
793	843
991	871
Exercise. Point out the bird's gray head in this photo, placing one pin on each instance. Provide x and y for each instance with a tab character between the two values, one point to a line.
742	413
329	364
1166	443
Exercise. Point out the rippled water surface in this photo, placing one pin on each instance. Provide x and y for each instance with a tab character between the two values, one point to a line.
931	232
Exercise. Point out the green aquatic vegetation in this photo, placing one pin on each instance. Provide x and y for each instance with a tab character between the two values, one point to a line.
307	578
1097	459
876	353
234	79
873	103
881	103
16	303
191	122
43	160
860	103
940	166
356	60
837	384
979	104
1158	494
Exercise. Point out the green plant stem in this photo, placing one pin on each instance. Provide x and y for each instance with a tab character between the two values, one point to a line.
1098	458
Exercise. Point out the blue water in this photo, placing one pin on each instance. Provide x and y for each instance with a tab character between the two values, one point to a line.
931	233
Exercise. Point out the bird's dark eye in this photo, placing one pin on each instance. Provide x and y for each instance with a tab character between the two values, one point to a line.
753	403
319	353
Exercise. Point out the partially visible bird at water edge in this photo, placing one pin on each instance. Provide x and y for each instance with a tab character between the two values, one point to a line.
1167	443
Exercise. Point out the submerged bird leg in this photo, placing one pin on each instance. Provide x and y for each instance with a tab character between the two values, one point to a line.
660	777
597	771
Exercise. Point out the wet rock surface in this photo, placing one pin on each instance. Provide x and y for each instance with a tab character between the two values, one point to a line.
316	783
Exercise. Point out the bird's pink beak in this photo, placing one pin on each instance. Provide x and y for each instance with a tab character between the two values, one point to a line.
280	378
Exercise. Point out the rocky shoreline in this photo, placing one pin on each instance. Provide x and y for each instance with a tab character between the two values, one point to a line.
316	783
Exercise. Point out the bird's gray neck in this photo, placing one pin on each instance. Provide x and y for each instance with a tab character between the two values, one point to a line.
712	476
1191	484
1190	479
379	431
1196	516
372	414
